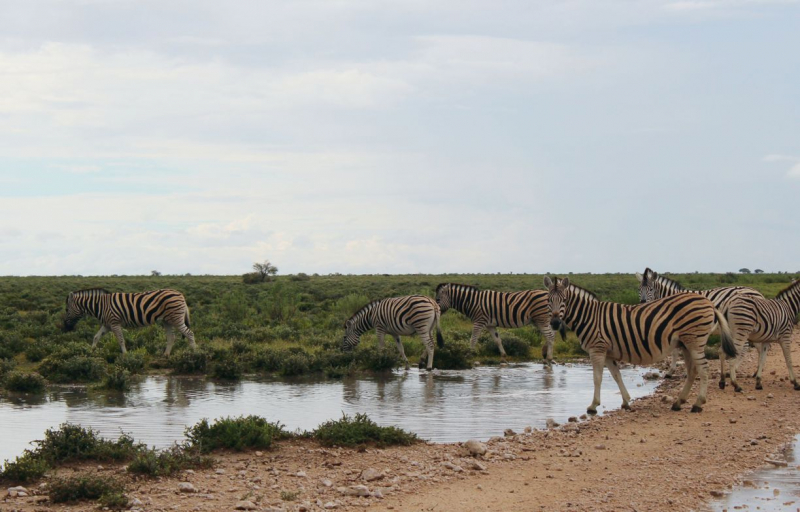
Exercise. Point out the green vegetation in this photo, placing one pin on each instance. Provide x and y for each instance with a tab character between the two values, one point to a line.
285	325
109	491
234	433
360	430
154	463
24	382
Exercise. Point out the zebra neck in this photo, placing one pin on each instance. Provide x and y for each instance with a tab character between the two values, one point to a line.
792	298
668	287
578	308
364	323
464	300
91	304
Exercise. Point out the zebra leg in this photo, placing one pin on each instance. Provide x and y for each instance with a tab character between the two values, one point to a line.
722	375
613	368
550	338
762	359
117	330
428	341
189	336
701	367
673	365
734	365
477	328
170	332
691	373
401	350
786	346
493	332
598	362
381	333
97	337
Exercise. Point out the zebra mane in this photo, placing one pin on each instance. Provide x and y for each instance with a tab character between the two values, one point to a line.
789	290
583	292
364	309
670	282
89	290
456	285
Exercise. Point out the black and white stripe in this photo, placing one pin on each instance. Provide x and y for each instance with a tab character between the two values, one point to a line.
397	316
489	309
118	310
653	286
764	321
640	334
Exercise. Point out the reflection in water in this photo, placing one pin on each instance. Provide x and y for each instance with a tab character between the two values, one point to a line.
443	407
770	489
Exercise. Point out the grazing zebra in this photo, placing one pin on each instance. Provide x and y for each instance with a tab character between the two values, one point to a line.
640	334
397	316
765	321
489	309
115	310
653	286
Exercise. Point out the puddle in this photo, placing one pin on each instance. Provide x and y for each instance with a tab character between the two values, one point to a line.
447	407
769	489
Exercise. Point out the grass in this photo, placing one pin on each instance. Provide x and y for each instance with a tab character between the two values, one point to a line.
109	491
289	325
359	430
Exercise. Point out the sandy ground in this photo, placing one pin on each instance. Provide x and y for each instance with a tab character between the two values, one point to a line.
648	459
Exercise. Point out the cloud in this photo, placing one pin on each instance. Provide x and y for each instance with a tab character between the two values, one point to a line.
794	170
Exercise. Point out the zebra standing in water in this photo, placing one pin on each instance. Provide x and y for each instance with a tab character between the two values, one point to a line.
489	309
397	316
115	310
653	286
765	321
641	334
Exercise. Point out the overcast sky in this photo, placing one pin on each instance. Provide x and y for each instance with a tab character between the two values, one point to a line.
362	136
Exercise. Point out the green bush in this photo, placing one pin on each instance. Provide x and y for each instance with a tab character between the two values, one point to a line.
252	278
455	355
25	382
360	430
189	362
73	363
133	361
118	379
234	433
379	360
154	463
74	443
26	468
110	491
6	366
39	349
228	367
295	364
11	344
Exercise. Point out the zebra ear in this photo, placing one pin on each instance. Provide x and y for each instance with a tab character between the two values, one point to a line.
548	283
565	283
649	274
640	277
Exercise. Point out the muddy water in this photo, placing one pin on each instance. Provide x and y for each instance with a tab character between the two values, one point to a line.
443	407
770	489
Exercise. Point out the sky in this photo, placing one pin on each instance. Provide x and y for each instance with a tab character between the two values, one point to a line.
367	136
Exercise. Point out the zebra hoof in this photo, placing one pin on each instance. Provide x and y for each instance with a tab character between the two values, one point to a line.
668	376
627	407
722	384
697	408
676	406
591	411
738	388
759	386
796	386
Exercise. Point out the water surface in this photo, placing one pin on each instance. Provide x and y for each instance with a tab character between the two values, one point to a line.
447	406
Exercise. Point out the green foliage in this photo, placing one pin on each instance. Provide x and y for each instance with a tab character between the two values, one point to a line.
360	430
377	359
118	379
289	495
73	363
6	366
187	362
39	349
228	367
455	355
24	382
109	491
234	433
154	463
25	468
295	364
513	345
134	360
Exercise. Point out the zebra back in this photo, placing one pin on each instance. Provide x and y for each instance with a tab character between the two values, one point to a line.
394	315
653	286
503	309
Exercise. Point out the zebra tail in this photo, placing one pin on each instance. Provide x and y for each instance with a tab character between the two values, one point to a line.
439	338
728	344
563	331
186	317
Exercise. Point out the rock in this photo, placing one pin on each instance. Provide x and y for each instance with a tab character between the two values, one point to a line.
717	494
528	430
357	490
779	463
245	505
732	420
475	447
186	487
551	423
651	376
583	416
770	395
599	447
370	474
509	456
509	432
326	483
300	474
329	505
259	454
220	471
479	487
572	419
751	398
377	493
135	503
474	464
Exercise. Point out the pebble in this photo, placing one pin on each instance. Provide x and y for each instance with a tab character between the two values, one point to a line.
509	432
329	505
551	423
475	447
732	420
17	492
300	474
326	483
245	505
186	487
357	490
572	419
371	474
770	395
599	447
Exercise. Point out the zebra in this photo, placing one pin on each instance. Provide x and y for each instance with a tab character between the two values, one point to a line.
489	309
639	334
115	310
653	286
764	321
397	316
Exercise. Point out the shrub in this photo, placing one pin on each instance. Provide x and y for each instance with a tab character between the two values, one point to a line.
133	361
455	355
73	363
25	468
251	278
118	379
228	367
25	382
234	433
74	443
295	364
153	463
189	362
6	366
10	345
360	430
300	277
513	345
39	349
269	359
88	487
379	360
712	351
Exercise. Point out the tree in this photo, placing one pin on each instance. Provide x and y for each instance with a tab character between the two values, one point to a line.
758	271
155	273
744	270
265	270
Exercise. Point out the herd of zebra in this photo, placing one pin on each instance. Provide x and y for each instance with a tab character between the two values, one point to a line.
669	320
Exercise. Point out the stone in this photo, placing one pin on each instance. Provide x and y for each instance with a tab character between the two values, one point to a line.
329	505
357	490
475	447
732	420
770	395
528	430
474	464
300	474
717	494
220	471
651	376
509	432
245	505
370	474
135	503
551	423
572	419
583	416
599	447
449	465
186	487
326	483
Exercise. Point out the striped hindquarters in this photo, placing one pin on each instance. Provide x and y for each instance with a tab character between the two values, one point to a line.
500	309
407	314
141	309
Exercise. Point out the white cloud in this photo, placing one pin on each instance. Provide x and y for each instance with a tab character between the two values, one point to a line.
794	170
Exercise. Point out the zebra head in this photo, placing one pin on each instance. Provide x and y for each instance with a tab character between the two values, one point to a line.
557	295
351	336
444	297
648	286
73	313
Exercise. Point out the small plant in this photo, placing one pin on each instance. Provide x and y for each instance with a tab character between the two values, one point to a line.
189	362
295	364
24	382
39	349
25	468
88	487
118	379
455	355
73	363
133	360
228	367
513	345
153	463
379	360
360	430
6	365
289	495
234	433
